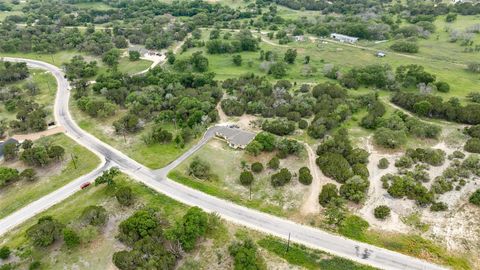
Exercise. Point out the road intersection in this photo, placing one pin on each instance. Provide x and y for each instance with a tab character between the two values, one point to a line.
158	180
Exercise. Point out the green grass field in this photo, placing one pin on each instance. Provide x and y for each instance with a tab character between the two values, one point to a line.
226	167
21	193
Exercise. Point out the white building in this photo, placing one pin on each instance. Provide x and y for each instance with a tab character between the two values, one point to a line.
343	38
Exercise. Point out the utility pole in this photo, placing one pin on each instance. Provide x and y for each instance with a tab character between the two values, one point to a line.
250	187
288	243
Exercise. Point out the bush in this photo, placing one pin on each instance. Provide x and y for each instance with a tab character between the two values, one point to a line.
71	238
329	191
381	212
335	166
246	178
404	162
354	189
274	163
302	124
45	232
124	196
354	227
438	206
405	46
304	176
475	198
279	127
4	252
389	138
472	145
442	87
281	178
94	215
199	168
257	167
133	55
383	163
245	256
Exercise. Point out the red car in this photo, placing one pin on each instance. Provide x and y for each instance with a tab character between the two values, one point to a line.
85	185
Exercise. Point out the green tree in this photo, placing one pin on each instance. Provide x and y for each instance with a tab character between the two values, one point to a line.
107	176
290	56
111	57
245	256
304	176
278	70
71	238
355	188
94	215
124	196
329	192
45	232
192	226
383	163
274	163
199	168
237	60
133	55
246	178
8	175
257	167
381	212
29	174
281	178
335	166
10	151
4	252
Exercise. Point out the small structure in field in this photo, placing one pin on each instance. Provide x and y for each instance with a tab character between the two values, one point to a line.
343	38
235	137
299	38
380	54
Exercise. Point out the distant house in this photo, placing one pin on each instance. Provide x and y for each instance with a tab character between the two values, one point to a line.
2	145
299	38
236	138
344	38
380	54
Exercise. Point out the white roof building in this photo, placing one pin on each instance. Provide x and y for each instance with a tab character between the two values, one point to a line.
343	38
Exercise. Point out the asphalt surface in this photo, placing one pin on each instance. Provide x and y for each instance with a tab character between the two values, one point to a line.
158	180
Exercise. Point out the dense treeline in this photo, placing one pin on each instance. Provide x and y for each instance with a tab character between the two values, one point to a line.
12	72
434	106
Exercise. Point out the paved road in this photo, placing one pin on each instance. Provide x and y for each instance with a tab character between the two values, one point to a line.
158	181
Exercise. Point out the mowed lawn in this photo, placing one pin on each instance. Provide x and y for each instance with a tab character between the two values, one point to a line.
21	193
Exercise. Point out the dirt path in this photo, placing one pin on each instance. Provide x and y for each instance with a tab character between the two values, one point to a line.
38	135
310	204
221	114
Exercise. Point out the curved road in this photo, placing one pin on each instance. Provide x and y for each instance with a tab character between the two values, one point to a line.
157	180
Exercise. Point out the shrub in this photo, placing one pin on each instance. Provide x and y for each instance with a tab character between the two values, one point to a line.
360	170
199	168
281	178
383	163
274	163
381	212
71	238
94	215
404	162
354	189
302	124
389	138
354	227
472	145
329	191
257	167
335	166
246	256
124	196
405	46
279	127
304	176
246	178
475	198
4	252
438	206
442	87
45	232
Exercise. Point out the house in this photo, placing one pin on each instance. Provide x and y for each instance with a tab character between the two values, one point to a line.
236	138
343	38
380	54
299	38
2	144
